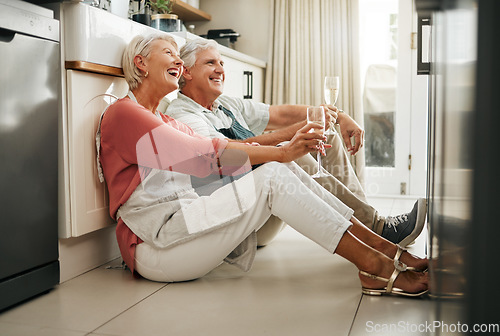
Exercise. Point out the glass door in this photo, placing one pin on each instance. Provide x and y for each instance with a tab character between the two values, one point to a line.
394	99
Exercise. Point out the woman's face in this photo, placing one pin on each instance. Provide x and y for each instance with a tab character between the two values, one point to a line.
163	65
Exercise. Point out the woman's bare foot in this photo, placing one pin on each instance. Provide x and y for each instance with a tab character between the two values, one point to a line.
411	260
384	246
375	261
408	281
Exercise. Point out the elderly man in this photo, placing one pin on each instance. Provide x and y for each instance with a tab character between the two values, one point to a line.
201	105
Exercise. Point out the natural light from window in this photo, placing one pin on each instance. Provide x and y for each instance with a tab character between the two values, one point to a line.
378	58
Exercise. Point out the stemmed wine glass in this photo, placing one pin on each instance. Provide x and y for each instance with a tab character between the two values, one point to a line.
331	89
316	115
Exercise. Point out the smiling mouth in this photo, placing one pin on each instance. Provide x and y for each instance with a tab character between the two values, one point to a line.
217	80
174	72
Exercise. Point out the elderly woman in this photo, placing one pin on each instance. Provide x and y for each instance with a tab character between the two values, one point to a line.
168	232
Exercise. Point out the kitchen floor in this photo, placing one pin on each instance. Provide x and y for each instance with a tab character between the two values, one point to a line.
294	288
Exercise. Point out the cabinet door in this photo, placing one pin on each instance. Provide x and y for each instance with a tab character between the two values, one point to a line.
243	80
88	95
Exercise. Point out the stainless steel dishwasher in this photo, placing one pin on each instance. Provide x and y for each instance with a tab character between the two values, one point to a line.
30	89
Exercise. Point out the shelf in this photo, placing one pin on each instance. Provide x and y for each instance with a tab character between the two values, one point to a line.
93	67
188	13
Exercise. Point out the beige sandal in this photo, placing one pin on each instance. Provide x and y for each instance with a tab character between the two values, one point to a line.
398	255
390	289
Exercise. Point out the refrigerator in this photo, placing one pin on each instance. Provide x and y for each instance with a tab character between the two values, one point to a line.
461	56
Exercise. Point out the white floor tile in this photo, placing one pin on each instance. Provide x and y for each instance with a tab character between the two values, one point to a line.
403	205
449	315
83	303
392	316
382	204
294	288
11	329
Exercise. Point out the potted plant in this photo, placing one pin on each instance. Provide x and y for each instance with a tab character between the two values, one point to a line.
164	19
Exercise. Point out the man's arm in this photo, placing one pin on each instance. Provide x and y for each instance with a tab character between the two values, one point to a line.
285	115
300	144
276	137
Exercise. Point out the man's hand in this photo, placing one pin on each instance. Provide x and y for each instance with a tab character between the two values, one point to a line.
330	115
350	129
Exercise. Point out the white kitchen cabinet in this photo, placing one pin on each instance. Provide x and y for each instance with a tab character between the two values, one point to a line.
86	199
243	80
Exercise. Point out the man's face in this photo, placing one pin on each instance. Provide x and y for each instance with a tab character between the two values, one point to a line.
207	74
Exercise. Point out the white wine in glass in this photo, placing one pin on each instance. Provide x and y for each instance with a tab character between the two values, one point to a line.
316	115
331	90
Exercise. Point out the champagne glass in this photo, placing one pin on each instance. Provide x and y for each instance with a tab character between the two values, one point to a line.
331	90
316	115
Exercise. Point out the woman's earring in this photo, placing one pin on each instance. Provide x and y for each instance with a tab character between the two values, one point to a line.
146	74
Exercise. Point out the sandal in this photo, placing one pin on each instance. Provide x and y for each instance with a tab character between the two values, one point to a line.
398	255
390	289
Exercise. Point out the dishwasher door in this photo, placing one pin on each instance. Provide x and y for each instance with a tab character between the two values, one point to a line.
29	110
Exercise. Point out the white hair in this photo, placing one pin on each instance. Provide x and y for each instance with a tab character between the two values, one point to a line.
140	45
189	52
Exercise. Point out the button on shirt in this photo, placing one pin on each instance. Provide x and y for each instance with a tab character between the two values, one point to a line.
251	115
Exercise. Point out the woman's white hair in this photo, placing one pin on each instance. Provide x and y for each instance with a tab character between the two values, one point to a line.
189	52
140	45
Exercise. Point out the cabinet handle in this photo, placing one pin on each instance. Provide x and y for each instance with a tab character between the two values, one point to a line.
249	76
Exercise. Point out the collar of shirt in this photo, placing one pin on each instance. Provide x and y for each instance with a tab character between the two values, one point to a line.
215	105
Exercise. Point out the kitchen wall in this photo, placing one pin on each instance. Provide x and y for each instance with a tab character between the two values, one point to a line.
249	18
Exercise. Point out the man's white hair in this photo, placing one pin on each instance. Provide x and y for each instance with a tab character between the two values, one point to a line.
189	52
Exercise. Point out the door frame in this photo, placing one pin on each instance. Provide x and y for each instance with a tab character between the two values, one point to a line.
408	177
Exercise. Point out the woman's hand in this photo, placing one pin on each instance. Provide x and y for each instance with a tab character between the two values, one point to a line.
304	142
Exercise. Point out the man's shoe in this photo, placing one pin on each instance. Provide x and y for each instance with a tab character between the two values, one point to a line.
405	228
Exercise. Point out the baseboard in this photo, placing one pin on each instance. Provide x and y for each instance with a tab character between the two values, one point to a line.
82	254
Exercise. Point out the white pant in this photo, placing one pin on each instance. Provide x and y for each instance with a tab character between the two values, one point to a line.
283	190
